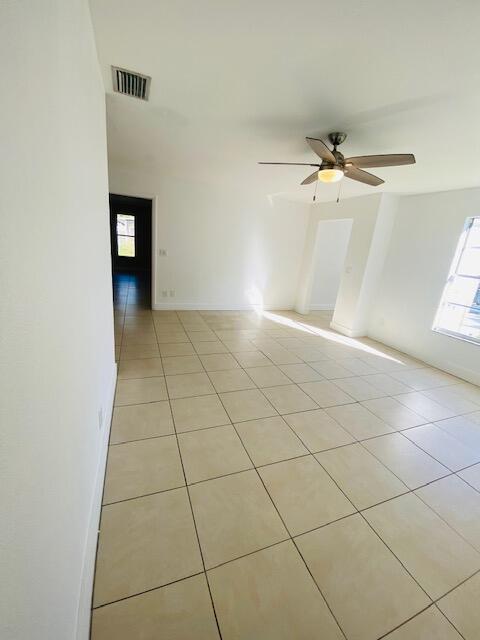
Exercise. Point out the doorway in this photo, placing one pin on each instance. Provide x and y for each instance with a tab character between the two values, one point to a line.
131	247
329	259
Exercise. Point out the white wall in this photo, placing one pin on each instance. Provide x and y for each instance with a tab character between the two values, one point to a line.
423	243
227	247
377	254
56	328
372	219
330	253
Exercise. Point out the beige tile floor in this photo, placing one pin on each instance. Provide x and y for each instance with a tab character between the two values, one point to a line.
270	479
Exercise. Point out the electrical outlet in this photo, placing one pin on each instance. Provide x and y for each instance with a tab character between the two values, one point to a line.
172	293
164	293
100	418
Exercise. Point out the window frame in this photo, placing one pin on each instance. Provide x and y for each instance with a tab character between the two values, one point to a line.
452	274
126	235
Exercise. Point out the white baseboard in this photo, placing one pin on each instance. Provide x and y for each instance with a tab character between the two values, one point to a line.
465	373
213	306
90	550
469	375
346	331
322	307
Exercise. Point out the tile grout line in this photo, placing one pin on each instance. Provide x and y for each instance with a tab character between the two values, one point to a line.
402	624
141	593
355	439
435	602
278	462
292	381
361	513
444	616
193	514
466	481
276	509
280	516
432	456
287	530
414	492
477	551
366	521
269	464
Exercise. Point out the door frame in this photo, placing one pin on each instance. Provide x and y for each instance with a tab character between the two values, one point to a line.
153	199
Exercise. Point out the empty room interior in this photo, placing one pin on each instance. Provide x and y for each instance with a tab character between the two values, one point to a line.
240	330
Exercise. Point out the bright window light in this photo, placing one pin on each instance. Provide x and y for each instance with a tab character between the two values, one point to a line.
459	312
125	235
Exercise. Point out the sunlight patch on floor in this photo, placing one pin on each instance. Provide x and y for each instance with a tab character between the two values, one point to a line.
326	334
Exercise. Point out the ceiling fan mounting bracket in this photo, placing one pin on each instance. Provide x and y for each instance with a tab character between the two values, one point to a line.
337	137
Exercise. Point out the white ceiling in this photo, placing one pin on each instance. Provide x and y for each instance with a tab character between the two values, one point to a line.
238	81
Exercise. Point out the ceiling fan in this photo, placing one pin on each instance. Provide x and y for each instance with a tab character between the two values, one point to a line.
334	165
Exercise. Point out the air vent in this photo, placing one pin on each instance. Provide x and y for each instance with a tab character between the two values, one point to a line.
130	83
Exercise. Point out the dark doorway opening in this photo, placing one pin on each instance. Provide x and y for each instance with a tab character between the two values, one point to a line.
131	245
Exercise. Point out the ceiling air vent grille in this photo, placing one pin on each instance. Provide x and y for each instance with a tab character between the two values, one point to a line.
130	83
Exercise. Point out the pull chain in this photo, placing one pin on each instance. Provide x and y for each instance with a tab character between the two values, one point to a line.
315	194
339	190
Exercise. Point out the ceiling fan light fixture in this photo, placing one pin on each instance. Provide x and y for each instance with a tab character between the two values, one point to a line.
330	175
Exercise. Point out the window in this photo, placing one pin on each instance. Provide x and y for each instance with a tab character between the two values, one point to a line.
459	312
125	235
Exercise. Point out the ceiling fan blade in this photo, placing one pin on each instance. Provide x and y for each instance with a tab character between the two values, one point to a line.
386	160
321	150
311	178
362	176
302	164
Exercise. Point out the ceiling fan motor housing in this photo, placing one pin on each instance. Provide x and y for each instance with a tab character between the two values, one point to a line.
337	137
339	164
